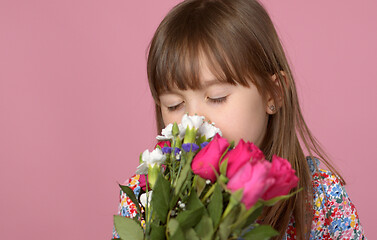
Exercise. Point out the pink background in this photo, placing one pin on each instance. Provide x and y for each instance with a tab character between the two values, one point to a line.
75	108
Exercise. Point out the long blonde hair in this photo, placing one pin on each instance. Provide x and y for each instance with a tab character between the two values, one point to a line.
241	45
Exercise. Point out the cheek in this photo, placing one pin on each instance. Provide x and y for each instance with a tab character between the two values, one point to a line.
254	128
170	117
246	121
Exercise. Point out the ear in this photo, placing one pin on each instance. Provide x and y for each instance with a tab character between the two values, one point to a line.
272	106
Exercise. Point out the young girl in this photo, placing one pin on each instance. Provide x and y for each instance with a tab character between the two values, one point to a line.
223	59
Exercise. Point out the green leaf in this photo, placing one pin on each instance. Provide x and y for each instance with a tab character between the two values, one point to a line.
225	225
204	228
215	207
157	232
234	201
182	178
173	226
223	167
200	184
224	153
127	190
161	198
191	234
232	143
193	201
222	180
240	220
128	228
253	216
190	218
274	200
201	140
237	196
261	232
175	230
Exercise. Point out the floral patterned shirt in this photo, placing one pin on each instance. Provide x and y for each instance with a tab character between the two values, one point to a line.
335	216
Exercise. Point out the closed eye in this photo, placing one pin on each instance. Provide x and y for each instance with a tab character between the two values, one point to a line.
217	100
175	107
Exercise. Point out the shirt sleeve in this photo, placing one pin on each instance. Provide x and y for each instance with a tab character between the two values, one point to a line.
335	216
126	207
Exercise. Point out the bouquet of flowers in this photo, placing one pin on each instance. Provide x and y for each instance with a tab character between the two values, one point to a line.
200	186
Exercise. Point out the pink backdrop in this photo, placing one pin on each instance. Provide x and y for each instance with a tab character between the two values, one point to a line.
75	108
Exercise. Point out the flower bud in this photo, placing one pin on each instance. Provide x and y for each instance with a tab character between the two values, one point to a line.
190	135
175	130
153	172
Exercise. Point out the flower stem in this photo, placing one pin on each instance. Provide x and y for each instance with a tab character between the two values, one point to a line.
210	191
147	222
227	211
166	230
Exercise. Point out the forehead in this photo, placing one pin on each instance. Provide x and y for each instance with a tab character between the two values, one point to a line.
198	73
205	74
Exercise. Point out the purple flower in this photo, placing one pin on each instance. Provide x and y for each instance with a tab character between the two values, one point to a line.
177	150
195	147
190	147
202	145
166	149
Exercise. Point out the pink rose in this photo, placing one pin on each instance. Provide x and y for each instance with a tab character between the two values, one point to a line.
162	144
209	157
241	154
253	178
256	153
284	178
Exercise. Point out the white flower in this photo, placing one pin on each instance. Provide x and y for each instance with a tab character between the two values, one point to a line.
209	130
150	159
143	198
187	121
192	121
182	130
166	133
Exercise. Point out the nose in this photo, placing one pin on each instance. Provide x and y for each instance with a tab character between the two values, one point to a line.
193	108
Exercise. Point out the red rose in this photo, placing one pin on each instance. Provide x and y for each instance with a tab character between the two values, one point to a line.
284	178
253	179
162	144
241	154
209	157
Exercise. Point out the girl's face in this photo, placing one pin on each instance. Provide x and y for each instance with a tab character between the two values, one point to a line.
238	111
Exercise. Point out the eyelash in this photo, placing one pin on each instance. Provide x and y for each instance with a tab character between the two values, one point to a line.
176	107
212	100
217	100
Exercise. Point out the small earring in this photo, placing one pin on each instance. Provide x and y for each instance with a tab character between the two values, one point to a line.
272	108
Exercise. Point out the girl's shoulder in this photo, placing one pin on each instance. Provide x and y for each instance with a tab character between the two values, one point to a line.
321	178
334	214
126	207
